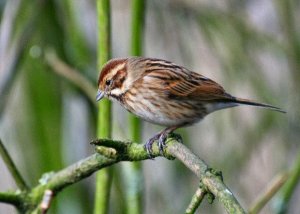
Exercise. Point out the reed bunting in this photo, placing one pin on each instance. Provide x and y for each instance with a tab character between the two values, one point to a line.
164	93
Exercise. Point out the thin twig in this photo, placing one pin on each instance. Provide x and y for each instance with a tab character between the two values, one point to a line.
75	77
268	193
196	200
12	167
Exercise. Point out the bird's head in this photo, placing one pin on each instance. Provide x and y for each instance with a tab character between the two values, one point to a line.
119	75
112	78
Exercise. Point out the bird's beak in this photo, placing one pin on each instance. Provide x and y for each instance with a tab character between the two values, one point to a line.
100	95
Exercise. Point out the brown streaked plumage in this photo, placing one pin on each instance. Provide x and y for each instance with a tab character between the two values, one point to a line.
164	93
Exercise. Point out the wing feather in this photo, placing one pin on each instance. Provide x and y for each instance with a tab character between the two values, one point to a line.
182	84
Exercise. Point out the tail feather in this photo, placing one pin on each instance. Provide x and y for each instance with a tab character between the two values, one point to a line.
252	103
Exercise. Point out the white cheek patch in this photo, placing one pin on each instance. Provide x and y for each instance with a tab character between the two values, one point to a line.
116	92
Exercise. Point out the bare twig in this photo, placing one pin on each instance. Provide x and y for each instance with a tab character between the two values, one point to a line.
196	200
12	168
268	193
71	75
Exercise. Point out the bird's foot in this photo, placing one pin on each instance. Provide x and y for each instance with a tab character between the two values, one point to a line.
148	145
162	142
161	137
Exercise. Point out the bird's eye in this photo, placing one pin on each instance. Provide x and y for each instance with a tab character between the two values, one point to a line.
108	82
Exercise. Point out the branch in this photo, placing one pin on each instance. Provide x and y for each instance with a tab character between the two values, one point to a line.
111	152
210	180
196	200
12	168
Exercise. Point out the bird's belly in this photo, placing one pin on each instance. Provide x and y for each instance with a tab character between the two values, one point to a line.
170	113
157	116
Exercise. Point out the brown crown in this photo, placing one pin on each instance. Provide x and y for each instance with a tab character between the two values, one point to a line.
110	65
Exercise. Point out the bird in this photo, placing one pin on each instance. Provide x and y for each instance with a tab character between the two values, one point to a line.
164	93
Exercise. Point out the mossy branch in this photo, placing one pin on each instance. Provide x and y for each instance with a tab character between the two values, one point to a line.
196	200
110	152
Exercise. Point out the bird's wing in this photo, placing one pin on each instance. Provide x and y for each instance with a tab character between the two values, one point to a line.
183	84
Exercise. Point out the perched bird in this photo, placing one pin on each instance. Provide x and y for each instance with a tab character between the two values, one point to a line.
164	93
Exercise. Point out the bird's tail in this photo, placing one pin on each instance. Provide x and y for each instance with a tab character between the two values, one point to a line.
252	103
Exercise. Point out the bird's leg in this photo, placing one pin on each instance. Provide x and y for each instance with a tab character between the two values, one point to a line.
163	137
148	145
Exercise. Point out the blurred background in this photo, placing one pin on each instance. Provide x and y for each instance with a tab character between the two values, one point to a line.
250	47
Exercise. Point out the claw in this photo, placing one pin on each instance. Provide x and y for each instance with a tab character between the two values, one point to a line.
148	145
162	143
161	137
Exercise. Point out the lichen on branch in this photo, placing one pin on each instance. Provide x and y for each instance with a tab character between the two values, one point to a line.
110	152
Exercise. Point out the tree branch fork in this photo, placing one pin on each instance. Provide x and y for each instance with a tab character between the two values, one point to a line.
109	152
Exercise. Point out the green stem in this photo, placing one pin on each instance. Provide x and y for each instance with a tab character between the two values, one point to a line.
15	53
133	177
103	177
10	198
268	193
289	25
137	29
289	188
12	168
